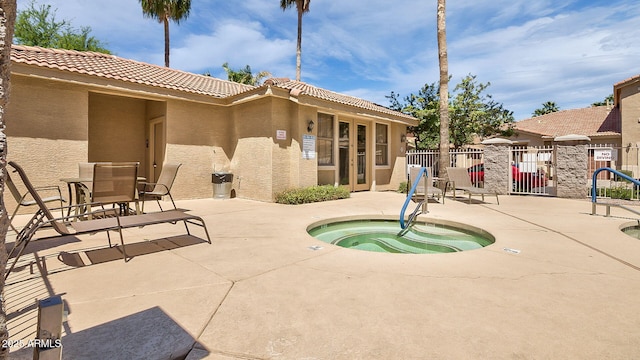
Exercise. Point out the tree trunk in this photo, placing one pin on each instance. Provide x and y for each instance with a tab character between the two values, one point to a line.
444	90
299	43
166	41
7	21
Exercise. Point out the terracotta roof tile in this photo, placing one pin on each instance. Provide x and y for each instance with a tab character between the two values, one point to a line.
629	80
113	67
296	88
592	121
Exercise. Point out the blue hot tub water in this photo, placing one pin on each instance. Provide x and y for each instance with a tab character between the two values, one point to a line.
386	236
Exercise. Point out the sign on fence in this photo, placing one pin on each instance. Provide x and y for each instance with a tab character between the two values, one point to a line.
603	155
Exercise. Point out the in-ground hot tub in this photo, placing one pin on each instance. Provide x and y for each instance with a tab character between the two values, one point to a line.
632	229
384	234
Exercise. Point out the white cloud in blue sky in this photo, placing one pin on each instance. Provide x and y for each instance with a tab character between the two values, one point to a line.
567	51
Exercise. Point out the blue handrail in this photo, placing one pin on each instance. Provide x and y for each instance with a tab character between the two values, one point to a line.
422	172
594	180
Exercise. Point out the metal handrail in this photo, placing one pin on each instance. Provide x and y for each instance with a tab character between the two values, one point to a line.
422	172
594	180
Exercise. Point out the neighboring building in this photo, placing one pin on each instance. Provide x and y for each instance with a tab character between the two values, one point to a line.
617	126
626	97
68	107
600	123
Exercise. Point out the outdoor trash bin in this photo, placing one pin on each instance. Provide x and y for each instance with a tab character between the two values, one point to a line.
222	185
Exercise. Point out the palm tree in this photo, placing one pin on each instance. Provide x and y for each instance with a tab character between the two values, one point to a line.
443	162
244	76
303	7
163	11
547	108
7	22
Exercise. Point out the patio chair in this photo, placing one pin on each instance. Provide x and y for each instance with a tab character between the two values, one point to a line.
24	199
82	190
460	179
64	227
420	192
155	191
116	184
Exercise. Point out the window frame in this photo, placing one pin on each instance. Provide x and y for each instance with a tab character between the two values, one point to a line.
330	139
386	154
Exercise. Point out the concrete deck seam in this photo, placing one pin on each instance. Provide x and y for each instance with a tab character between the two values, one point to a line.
147	293
213	314
285	265
626	263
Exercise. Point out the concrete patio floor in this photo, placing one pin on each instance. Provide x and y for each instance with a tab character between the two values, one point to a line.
260	291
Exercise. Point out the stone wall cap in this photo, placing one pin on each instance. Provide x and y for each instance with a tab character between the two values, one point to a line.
572	137
497	141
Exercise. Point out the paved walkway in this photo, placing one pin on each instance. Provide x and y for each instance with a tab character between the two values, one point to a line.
570	289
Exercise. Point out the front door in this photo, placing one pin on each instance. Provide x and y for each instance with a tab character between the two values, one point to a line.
156	148
353	160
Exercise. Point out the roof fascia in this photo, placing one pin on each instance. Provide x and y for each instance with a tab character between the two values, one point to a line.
350	109
110	86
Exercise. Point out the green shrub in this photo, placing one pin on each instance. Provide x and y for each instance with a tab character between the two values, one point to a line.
402	188
312	194
629	173
618	192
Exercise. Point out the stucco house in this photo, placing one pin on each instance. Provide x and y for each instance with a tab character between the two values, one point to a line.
68	107
600	123
616	127
626	97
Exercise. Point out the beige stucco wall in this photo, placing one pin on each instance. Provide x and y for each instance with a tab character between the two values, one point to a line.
198	136
46	109
46	131
117	129
630	114
54	125
264	165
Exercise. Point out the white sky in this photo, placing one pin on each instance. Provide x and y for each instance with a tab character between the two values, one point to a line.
567	51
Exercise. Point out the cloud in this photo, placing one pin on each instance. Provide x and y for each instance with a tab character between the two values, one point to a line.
567	51
237	43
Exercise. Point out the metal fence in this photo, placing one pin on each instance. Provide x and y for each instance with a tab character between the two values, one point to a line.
457	158
622	158
532	170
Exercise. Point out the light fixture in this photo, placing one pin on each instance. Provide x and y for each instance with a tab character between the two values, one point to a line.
403	137
310	125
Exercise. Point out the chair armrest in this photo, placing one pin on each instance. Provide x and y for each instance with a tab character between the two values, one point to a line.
45	188
152	185
50	187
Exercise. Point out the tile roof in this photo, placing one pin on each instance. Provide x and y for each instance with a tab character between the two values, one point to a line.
297	88
625	81
117	68
113	67
592	121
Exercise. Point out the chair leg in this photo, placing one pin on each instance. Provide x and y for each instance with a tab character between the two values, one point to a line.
174	204
124	253
11	219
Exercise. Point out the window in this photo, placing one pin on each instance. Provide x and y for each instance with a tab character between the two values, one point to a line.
325	139
382	144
